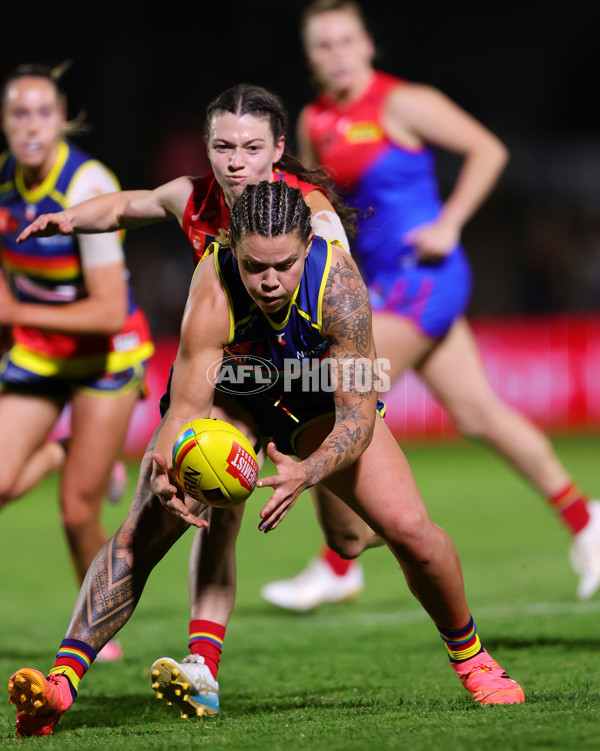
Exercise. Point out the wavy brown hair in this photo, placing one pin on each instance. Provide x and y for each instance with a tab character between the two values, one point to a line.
248	98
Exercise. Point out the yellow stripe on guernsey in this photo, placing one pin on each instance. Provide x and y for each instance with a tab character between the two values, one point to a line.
47	186
319	323
279	326
79	367
323	283
214	249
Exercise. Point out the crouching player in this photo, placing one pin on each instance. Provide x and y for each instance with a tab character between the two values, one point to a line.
296	295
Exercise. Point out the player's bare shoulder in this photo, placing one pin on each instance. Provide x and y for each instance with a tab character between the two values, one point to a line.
175	194
207	307
346	305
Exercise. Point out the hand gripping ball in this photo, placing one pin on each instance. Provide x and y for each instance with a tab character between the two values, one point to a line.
214	463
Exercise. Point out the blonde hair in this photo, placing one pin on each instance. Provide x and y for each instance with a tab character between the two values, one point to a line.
53	74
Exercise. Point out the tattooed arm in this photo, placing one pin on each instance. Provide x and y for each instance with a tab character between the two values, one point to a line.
347	326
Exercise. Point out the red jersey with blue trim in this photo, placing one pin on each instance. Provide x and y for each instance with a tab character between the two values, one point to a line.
399	184
206	211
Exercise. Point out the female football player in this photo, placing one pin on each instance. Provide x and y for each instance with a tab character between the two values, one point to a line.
375	132
78	338
272	275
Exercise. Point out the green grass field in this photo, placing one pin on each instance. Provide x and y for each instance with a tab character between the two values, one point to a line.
364	675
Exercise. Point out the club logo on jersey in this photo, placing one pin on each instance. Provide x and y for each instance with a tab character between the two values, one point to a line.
365	132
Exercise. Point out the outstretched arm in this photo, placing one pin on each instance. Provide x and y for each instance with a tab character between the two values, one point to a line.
112	211
204	331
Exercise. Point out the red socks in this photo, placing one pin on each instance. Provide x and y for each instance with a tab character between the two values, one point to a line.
339	566
571	505
206	640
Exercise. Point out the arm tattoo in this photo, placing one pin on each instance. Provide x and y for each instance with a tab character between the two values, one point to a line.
346	307
347	325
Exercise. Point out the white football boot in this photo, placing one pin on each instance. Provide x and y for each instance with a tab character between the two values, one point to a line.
188	684
585	554
316	585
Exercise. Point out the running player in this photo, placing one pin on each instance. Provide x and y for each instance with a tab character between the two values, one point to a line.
78	336
276	276
374	132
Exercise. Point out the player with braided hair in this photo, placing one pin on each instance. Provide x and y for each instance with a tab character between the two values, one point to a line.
276	276
244	131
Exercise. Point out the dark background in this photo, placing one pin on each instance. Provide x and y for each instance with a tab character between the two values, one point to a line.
529	72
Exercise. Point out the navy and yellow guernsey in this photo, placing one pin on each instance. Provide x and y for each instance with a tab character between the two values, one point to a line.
49	271
276	370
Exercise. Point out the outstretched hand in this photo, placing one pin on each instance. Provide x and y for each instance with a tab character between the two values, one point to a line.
46	225
170	496
288	484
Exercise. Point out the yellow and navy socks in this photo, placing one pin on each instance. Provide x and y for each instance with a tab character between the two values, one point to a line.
73	660
206	640
461	643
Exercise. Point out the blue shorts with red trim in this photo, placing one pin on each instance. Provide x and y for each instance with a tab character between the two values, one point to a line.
431	295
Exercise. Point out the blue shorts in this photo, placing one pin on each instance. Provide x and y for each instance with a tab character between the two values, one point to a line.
16	379
431	295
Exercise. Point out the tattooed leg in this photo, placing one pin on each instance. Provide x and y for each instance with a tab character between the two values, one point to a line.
116	578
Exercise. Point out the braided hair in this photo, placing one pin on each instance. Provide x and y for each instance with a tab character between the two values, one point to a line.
269	210
248	98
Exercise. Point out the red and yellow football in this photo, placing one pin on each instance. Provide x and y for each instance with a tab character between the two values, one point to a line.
214	463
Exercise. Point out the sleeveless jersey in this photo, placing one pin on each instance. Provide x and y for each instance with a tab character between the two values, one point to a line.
286	347
206	211
48	270
399	184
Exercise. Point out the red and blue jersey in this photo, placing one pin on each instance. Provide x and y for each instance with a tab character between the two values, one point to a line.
399	184
397	189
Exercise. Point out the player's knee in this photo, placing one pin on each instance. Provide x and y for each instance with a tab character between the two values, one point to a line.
346	546
8	488
78	515
474	420
411	536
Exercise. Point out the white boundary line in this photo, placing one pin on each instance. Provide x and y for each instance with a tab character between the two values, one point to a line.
531	610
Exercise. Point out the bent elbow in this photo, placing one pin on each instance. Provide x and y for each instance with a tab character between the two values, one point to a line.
502	154
113	322
368	435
